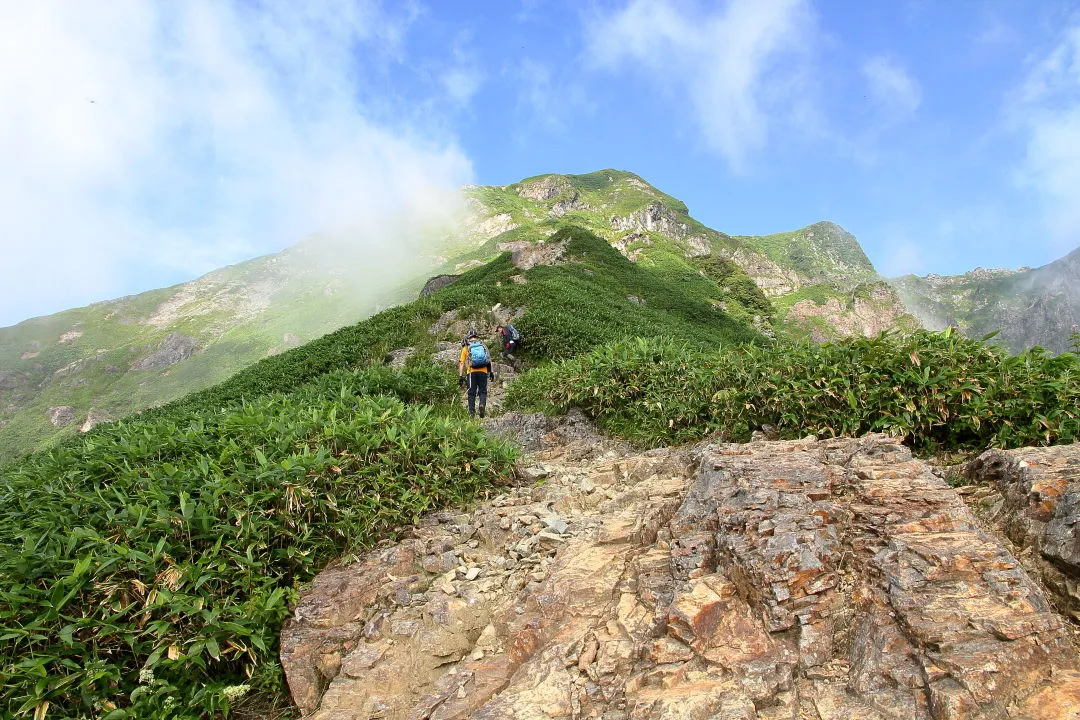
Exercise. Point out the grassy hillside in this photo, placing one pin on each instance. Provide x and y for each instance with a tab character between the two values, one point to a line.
68	371
146	566
765	276
938	391
822	252
88	359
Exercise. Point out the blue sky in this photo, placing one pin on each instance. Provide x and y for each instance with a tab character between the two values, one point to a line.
147	142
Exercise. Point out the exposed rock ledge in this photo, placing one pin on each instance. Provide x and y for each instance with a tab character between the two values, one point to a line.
823	580
175	348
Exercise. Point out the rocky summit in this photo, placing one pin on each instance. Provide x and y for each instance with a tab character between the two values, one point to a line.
805	580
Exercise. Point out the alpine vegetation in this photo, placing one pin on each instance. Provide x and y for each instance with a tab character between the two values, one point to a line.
146	570
937	391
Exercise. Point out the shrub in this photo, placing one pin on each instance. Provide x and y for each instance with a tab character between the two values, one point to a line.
145	572
937	390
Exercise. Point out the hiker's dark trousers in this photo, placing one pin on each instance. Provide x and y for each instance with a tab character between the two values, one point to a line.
509	347
477	386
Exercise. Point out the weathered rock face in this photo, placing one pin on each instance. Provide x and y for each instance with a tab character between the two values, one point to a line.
1029	307
868	314
437	283
773	280
825	580
482	226
541	253
1032	495
397	358
175	348
631	244
546	188
61	416
9	379
93	418
657	218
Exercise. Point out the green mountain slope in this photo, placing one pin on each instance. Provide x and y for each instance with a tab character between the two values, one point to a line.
1029	307
65	372
200	519
815	282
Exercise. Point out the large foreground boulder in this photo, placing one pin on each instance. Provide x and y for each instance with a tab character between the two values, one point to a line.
1032	495
824	580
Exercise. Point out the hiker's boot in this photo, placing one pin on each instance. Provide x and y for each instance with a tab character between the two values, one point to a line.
481	412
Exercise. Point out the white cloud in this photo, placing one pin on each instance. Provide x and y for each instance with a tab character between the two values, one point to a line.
139	135
892	88
1046	107
902	254
741	67
547	100
995	33
463	78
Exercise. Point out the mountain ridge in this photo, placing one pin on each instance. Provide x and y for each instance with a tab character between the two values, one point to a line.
70	370
200	521
1027	306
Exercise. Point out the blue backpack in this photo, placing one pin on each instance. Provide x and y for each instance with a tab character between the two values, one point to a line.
478	355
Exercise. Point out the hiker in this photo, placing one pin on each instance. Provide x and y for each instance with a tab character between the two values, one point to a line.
511	339
475	354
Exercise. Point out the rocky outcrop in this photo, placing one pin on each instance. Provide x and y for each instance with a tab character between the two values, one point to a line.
61	416
175	348
9	379
556	190
697	246
546	188
93	418
828	580
867	311
1032	496
437	283
398	358
773	280
79	365
539	253
631	244
656	217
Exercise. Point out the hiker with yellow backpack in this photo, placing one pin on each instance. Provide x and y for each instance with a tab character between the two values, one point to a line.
476	358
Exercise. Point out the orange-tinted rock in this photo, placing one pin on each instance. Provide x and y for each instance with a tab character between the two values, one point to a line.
833	580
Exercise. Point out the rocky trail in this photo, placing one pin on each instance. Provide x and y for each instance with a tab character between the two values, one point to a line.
805	580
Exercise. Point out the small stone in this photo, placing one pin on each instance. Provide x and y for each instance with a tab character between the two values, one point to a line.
476	654
556	524
550	540
504	523
536	472
472	573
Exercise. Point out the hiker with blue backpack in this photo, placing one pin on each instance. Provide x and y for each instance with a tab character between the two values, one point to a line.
475	356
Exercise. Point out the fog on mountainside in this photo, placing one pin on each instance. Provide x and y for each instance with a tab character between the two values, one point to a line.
1026	307
74	369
